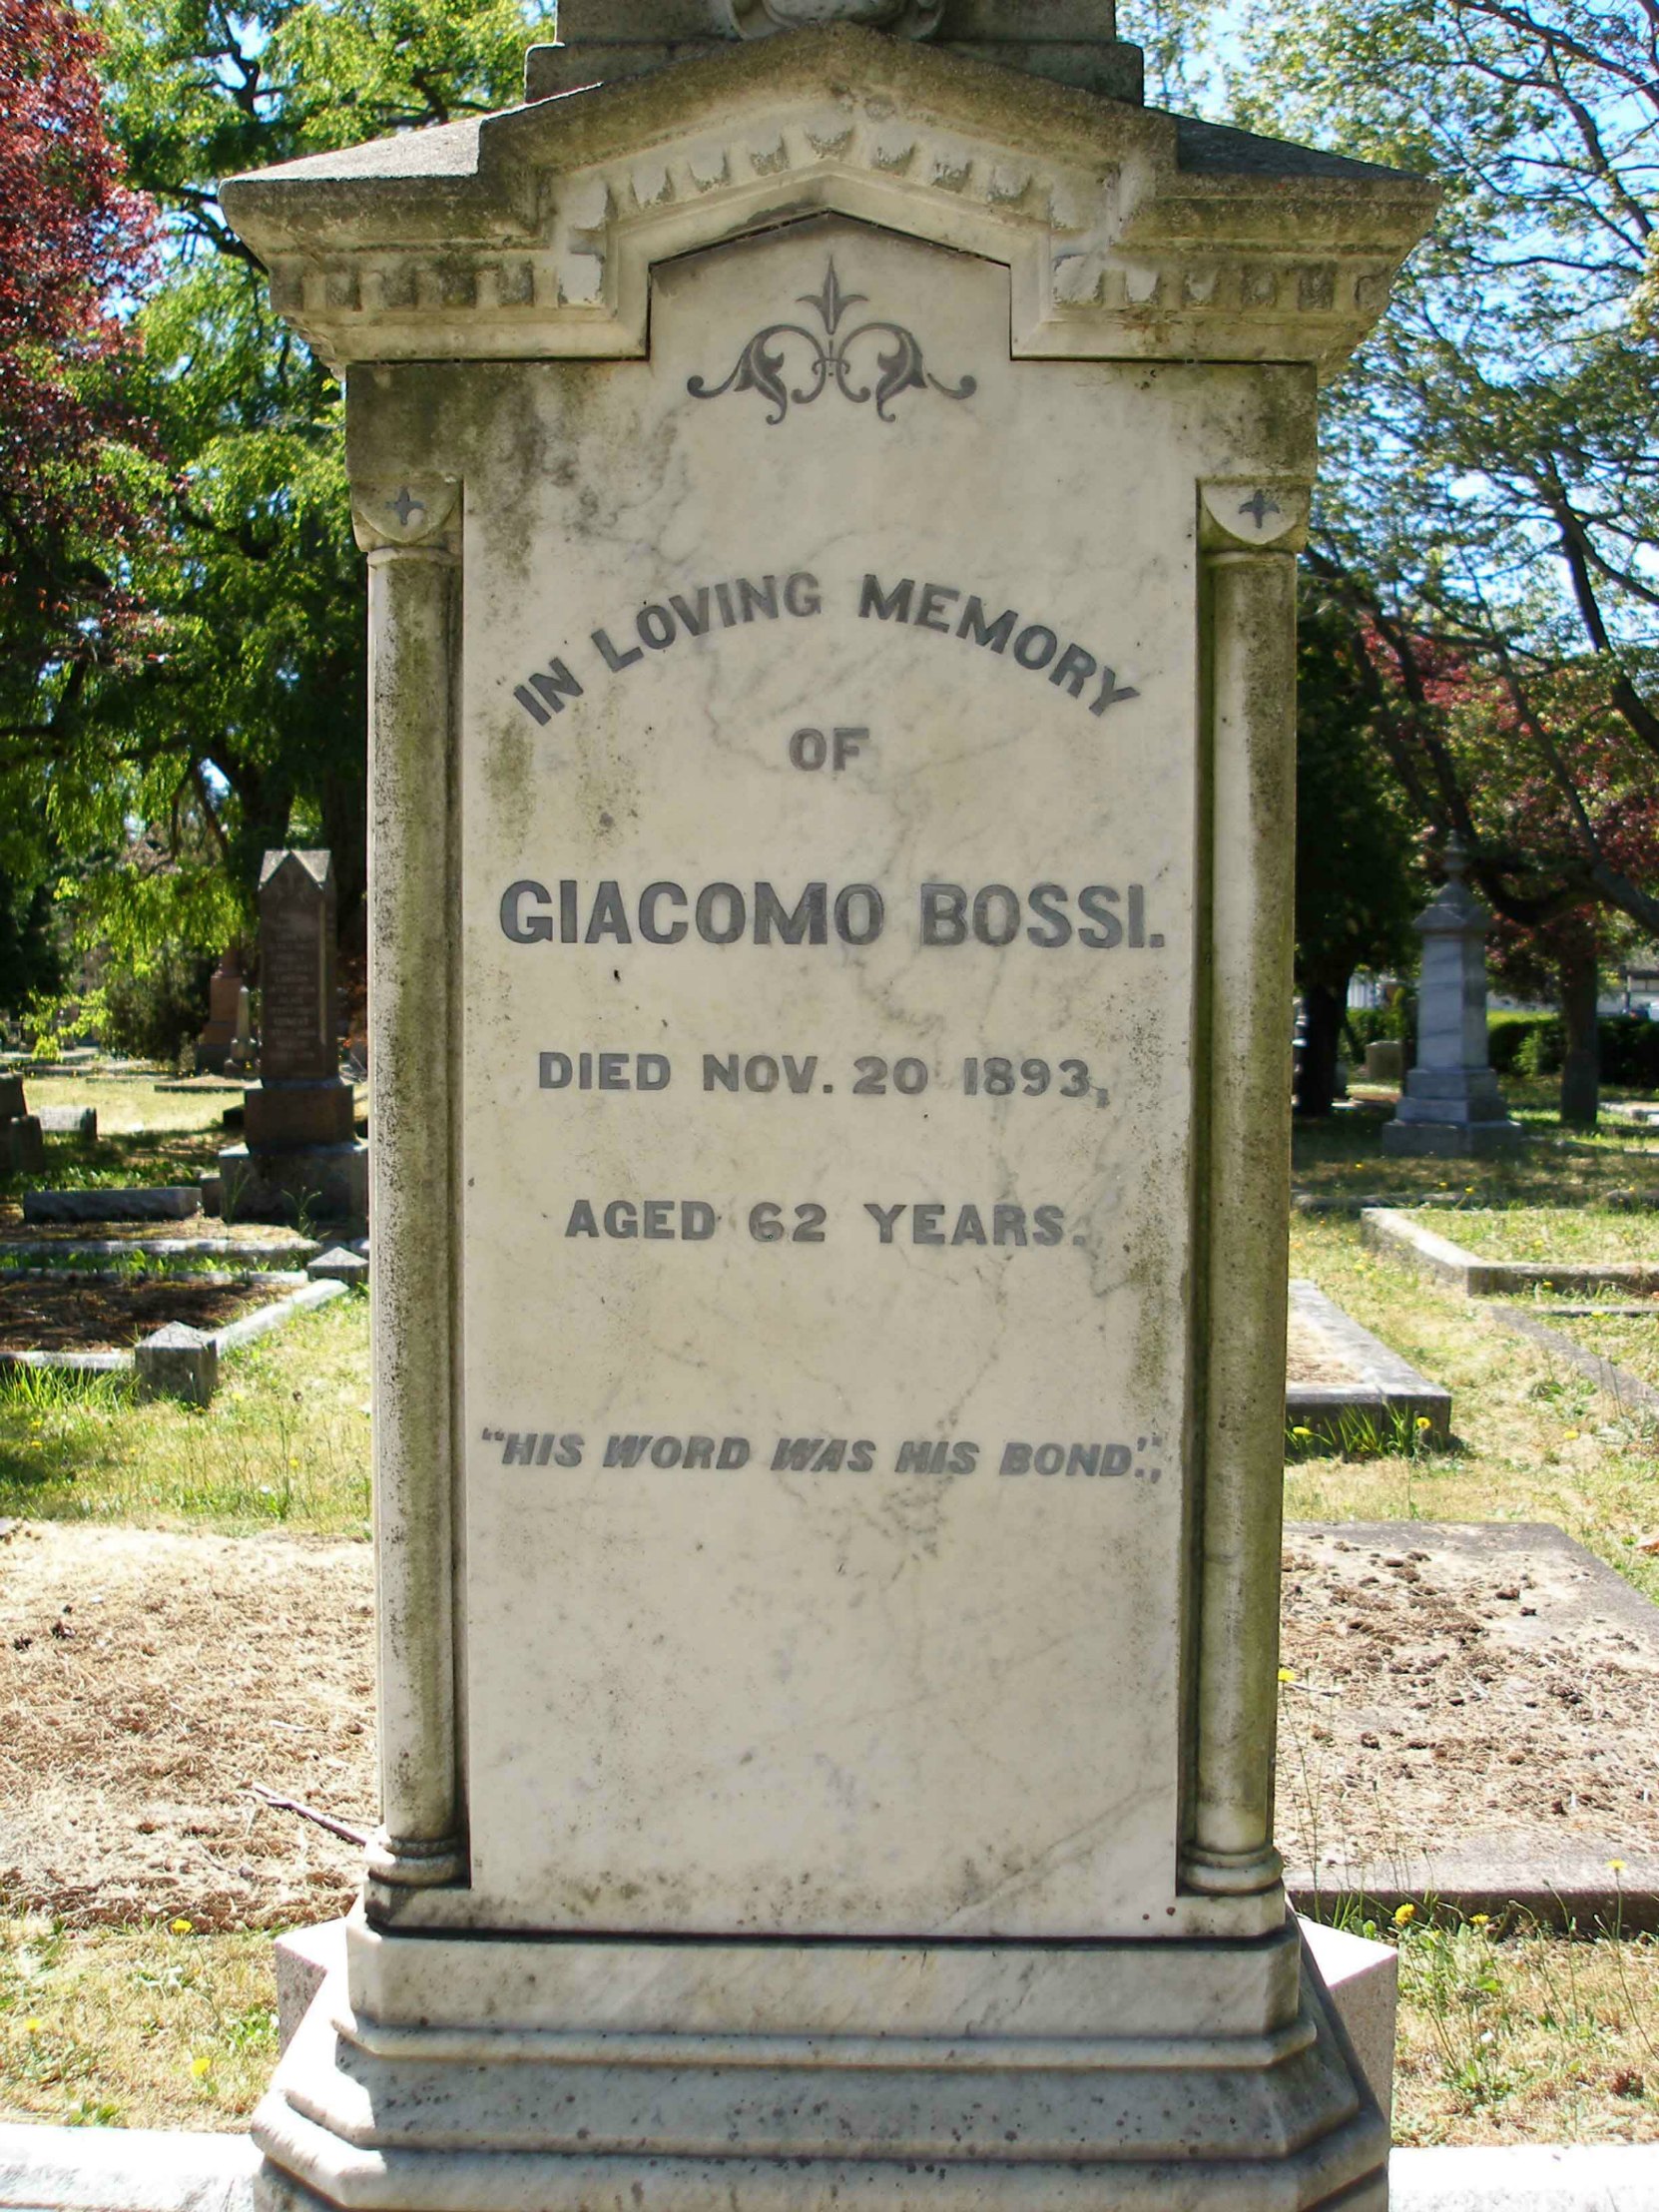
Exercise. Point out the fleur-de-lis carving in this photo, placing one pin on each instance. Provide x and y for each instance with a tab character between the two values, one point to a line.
899	365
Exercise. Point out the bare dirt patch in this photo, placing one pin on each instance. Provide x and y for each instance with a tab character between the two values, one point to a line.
146	1682
71	1315
1447	1695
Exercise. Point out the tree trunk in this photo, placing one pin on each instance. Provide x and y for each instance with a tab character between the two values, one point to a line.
1581	1069
1315	1088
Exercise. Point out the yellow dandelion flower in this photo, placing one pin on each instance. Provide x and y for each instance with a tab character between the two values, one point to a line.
1286	1675
181	1928
1423	1421
1302	1432
201	2067
1616	1865
1404	1914
1572	1436
31	2026
1480	1920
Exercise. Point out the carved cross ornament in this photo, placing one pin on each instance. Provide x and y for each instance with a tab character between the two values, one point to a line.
904	18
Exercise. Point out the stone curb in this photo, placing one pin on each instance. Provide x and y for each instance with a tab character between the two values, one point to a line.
86	2169
1627	1389
1576	1896
1389	1389
259	1324
1388	1229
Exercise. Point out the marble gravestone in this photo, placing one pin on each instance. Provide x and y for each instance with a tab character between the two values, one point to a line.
302	1153
1451	1105
831	497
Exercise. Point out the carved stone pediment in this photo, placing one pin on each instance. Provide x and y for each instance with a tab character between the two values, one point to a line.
1129	233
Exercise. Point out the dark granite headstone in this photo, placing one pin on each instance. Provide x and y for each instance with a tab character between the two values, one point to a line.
299	1118
297	967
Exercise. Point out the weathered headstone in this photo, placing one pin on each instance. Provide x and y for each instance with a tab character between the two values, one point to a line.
1452	1104
298	1119
225	986
22	1151
1384	1060
832	509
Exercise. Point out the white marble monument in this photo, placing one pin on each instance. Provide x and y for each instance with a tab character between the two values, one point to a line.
1451	1105
831	500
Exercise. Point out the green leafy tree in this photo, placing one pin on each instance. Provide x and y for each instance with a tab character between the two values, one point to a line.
243	726
1491	502
1356	891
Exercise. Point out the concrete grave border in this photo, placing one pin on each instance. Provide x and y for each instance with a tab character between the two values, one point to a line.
174	1359
1388	1229
1389	1391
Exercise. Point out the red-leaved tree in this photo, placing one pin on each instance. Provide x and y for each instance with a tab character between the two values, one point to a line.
76	474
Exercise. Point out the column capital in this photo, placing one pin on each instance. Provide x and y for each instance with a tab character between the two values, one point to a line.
1253	514
396	516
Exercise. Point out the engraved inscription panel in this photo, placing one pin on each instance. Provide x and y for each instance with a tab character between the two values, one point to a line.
830	805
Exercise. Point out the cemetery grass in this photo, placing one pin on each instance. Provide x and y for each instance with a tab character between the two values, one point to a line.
284	1445
1506	2035
1343	1159
1587	1234
145	1136
1533	1440
1629	1340
134	2027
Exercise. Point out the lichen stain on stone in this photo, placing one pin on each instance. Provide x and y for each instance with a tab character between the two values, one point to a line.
509	766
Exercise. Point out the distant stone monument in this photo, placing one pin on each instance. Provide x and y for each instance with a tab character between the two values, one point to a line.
212	1045
300	1153
832	503
1452	1104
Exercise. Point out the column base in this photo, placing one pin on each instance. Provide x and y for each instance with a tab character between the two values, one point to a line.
560	2074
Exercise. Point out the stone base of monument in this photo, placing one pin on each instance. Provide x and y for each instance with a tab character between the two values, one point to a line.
477	2071
1451	1140
311	1181
282	1117
1446	1113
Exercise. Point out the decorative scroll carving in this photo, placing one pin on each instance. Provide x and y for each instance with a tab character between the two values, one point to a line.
761	367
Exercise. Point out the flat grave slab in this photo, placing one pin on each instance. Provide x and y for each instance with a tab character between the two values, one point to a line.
1343	1382
1474	1715
161	1202
1487	1712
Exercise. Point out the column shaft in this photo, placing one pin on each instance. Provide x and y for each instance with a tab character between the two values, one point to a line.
411	877
1251	597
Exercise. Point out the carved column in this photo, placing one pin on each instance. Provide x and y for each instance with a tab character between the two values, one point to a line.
413	616
1249	533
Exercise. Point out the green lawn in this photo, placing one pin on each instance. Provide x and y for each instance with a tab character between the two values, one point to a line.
1586	1233
283	1444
